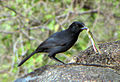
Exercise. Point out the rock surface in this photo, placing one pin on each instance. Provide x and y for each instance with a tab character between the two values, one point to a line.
110	55
88	66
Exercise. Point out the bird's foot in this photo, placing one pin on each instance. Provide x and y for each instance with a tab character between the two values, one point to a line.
54	58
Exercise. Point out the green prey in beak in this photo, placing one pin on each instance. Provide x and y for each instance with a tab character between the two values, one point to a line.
95	46
84	28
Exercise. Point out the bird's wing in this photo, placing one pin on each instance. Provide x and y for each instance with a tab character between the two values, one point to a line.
55	40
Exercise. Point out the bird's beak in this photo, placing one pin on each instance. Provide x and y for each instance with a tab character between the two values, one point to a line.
84	28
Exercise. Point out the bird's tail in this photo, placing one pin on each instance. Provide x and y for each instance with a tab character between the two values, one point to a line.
26	58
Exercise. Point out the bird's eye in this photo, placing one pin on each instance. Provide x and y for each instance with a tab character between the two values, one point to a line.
77	25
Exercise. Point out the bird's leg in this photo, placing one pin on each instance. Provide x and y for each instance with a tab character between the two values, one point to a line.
52	56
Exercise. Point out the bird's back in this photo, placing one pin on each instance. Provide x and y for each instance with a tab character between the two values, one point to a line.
63	39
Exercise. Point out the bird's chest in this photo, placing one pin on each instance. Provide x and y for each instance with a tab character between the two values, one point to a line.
71	41
64	43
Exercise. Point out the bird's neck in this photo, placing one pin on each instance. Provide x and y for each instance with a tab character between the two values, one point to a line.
75	32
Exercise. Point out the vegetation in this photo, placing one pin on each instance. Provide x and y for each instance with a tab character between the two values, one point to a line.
24	24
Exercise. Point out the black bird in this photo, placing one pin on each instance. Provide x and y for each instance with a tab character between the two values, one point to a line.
59	42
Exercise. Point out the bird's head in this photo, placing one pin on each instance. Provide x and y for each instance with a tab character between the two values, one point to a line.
77	27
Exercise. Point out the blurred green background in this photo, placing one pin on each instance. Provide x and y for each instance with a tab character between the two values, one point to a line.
24	24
